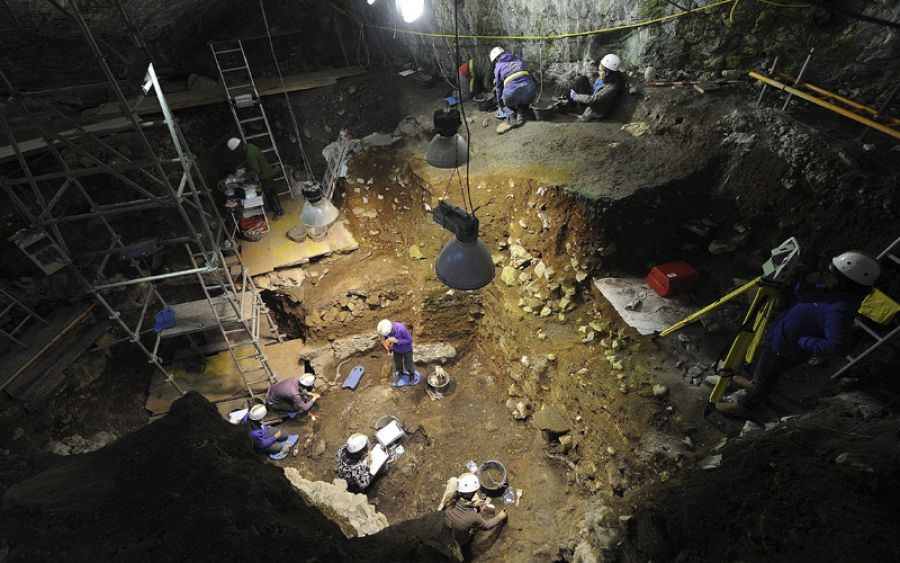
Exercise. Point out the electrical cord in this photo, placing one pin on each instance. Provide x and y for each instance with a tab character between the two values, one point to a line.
462	108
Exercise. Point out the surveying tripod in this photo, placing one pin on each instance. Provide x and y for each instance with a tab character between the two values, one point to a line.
776	272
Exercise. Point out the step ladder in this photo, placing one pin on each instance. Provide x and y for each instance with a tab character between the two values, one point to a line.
247	108
15	315
879	337
242	337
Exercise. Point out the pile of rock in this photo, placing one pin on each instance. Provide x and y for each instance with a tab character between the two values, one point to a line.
350	306
77	444
543	292
351	512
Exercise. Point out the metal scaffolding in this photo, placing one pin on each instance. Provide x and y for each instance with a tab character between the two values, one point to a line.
104	218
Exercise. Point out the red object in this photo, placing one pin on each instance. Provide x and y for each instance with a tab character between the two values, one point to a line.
464	69
673	278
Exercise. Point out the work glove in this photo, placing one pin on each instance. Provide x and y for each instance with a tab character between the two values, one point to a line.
572	95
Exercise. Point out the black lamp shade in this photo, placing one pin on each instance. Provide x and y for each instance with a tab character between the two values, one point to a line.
465	265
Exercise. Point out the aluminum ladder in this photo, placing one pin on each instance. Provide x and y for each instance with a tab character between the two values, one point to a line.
11	312
247	108
879	338
243	341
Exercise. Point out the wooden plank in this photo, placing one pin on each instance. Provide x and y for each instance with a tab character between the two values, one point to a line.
197	316
50	379
61	321
31	145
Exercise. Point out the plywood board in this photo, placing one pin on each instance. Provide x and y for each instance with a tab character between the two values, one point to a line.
197	316
221	381
274	250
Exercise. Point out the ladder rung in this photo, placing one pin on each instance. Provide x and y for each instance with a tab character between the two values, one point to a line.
270	149
234	68
249	119
227	51
257	135
247	85
261	368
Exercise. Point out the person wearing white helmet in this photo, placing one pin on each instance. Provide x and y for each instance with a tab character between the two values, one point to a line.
353	461
818	324
514	87
594	101
464	515
256	162
293	395
397	340
263	437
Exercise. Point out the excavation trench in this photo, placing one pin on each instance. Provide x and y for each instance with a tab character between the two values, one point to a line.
537	336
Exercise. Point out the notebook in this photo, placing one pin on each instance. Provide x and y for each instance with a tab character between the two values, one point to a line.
379	457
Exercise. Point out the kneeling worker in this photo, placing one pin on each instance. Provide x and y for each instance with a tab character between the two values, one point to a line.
475	76
263	438
354	462
293	395
595	102
464	515
514	86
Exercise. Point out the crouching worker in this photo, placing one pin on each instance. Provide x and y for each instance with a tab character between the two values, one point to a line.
263	437
293	395
819	324
514	87
354	462
594	102
397	340
463	514
475	76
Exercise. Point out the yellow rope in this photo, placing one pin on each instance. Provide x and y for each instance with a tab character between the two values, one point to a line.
545	37
783	5
731	13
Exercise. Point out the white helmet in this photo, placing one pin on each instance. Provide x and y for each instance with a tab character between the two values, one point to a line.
858	267
357	443
258	412
496	52
467	483
385	327
234	143
611	62
307	380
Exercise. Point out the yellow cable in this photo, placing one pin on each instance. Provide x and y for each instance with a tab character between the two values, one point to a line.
545	37
731	13
782	5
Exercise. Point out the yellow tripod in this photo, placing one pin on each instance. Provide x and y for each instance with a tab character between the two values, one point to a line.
740	354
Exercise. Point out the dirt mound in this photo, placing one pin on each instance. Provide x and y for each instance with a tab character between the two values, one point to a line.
187	487
811	491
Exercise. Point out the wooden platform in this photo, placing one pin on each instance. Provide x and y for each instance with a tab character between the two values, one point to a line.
197	316
274	250
221	381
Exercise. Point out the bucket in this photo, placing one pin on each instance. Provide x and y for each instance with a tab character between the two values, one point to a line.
424	80
492	475
485	102
439	381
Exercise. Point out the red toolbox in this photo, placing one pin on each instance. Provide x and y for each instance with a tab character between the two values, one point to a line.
672	278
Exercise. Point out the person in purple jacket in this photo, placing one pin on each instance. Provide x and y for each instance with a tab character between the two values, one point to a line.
514	86
293	395
398	341
264	438
819	324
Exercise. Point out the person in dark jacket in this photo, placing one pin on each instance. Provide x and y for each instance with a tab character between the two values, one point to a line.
399	342
594	101
475	76
264	438
818	324
514	86
263	171
352	463
293	395
463	515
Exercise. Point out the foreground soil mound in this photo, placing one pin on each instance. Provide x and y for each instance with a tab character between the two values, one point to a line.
187	487
817	489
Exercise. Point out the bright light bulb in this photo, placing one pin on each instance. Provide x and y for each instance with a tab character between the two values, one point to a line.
410	10
370	2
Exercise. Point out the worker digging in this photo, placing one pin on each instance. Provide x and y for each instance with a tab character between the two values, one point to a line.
426	280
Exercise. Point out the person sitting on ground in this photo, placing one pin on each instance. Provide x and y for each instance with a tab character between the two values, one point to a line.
475	76
293	395
398	341
463	515
818	324
353	462
263	172
594	102
514	86
264	438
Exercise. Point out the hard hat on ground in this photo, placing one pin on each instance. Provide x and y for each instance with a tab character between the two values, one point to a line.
468	483
611	62
496	52
234	143
857	266
307	380
258	412
385	327
357	442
